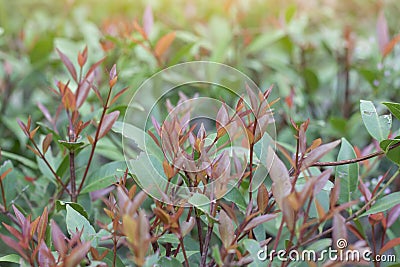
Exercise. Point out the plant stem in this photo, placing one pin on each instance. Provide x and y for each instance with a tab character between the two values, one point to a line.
50	168
208	236
3	195
96	139
184	251
349	161
72	175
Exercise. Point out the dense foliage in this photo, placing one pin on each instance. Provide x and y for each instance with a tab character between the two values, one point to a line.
310	159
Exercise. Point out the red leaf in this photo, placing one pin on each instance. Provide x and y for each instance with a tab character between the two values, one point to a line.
82	57
4	174
94	67
318	153
108	122
20	217
77	255
392	243
58	239
41	230
84	89
45	257
164	43
389	46
68	64
23	127
148	20
14	245
393	215
46	142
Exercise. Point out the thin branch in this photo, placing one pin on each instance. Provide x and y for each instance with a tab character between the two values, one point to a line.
349	161
96	139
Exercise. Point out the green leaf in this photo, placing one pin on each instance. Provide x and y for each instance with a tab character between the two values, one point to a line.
394	153
169	238
27	162
253	247
104	176
236	197
76	222
394	108
384	203
71	146
320	244
200	201
377	126
348	174
169	262
10	258
62	205
216	255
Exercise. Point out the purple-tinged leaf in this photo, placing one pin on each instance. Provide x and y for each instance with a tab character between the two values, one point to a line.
20	217
186	227
393	215
45	257
259	220
253	99
321	181
108	122
318	153
281	186
67	62
94	67
58	238
339	233
45	111
382	31
77	255
148	20
84	89
14	245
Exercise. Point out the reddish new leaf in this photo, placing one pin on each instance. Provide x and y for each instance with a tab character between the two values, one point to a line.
389	47
393	215
392	243
84	89
45	257
67	62
108	122
281	186
58	239
164	43
318	153
77	255
46	142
